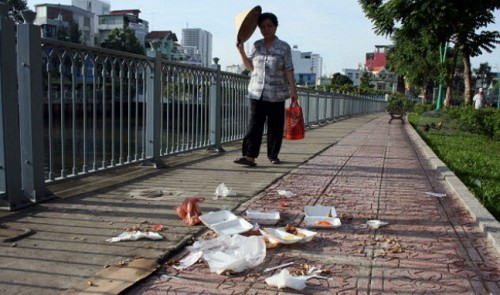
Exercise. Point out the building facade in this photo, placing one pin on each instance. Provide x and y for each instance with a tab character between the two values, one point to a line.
197	46
308	67
97	7
167	45
121	19
375	63
54	17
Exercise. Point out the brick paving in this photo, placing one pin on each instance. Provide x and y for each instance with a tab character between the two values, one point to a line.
430	246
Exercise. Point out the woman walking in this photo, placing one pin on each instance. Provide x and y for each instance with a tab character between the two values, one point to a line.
272	82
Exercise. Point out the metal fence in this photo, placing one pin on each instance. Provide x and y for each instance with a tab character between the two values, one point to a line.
68	110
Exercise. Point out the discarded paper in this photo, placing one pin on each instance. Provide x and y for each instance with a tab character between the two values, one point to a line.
376	223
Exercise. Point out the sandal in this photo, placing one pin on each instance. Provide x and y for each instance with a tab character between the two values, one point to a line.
244	161
275	161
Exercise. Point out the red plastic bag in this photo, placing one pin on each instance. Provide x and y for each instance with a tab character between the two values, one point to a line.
294	122
189	211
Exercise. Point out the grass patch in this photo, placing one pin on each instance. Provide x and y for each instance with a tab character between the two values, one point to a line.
474	158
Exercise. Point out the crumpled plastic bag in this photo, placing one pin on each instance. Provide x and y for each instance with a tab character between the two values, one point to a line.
235	253
135	235
285	279
287	194
189	211
223	191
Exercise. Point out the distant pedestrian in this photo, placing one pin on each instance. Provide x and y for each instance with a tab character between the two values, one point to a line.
479	99
272	82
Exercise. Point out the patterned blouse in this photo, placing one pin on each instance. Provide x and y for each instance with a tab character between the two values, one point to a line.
270	66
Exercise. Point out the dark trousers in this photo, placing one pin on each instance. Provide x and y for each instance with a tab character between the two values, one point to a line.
260	111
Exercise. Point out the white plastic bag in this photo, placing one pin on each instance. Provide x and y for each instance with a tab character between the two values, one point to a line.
135	235
235	253
285	279
223	191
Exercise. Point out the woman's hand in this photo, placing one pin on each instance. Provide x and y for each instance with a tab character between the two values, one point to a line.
294	99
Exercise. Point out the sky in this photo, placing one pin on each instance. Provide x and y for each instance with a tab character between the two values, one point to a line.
337	30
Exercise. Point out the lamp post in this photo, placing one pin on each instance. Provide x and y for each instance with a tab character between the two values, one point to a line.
498	86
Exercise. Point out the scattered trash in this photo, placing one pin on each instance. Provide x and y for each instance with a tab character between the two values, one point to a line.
477	182
283	204
135	235
375	223
438	195
276	267
322	222
321	217
224	222
223	191
235	253
288	234
284	280
189	260
157	227
285	193
189	211
265	218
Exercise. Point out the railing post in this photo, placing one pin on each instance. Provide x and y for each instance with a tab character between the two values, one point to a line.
215	101
153	110
29	65
10	159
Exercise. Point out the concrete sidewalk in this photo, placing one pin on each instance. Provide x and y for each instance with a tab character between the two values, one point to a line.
379	171
364	167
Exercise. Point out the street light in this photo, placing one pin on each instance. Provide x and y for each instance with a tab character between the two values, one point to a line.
498	86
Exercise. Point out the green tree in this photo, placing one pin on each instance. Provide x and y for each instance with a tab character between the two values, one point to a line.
339	79
14	9
483	73
414	60
440	22
364	80
72	33
123	40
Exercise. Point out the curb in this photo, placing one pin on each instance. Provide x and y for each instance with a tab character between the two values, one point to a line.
486	222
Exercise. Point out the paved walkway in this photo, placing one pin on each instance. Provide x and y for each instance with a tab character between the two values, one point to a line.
363	166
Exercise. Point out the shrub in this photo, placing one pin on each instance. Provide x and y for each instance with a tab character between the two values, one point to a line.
399	102
483	121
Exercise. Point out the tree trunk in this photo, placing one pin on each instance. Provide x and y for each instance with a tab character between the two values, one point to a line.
449	95
467	81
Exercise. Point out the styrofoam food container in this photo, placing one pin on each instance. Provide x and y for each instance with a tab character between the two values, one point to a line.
231	227
212	218
320	211
312	222
266	218
224	222
280	235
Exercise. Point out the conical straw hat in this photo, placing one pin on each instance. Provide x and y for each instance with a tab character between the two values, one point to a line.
246	22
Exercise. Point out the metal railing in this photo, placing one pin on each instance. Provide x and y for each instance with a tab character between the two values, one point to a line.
73	110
